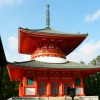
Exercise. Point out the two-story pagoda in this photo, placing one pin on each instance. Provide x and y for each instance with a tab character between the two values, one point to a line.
48	73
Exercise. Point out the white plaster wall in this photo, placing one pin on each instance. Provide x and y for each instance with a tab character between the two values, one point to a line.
29	91
79	91
51	59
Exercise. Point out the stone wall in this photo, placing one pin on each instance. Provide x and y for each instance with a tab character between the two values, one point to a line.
56	98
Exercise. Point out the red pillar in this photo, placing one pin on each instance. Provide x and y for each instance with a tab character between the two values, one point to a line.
82	81
36	87
21	89
72	83
48	88
60	88
24	85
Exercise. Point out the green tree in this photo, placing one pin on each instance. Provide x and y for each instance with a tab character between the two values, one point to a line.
92	83
9	88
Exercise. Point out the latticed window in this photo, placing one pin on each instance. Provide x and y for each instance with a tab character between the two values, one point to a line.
77	81
42	88
54	88
30	81
66	87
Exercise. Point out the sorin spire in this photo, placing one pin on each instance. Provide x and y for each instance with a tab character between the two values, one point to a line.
47	17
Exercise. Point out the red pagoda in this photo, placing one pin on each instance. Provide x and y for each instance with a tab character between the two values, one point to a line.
48	73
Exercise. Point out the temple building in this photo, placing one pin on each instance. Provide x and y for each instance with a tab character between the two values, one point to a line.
49	73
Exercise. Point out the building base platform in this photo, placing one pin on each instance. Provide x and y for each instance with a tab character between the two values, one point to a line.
56	98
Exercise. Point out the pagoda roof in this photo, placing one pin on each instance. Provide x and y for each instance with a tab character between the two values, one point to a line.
50	31
37	64
31	39
18	69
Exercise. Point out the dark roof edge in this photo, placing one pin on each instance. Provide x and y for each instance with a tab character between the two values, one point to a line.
57	32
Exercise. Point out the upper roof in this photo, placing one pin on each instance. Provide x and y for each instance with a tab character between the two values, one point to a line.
67	65
30	40
50	31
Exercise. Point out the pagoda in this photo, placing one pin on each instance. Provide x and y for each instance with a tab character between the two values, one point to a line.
49	73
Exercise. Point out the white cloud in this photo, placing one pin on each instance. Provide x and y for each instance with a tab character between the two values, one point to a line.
86	52
10	2
13	42
12	51
92	17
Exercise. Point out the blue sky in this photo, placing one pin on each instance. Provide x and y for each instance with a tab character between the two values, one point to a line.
66	15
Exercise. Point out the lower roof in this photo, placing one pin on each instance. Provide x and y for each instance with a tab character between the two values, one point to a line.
38	64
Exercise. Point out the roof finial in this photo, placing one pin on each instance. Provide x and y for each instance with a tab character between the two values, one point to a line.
47	17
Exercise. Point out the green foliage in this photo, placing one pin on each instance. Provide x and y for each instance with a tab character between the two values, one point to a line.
9	88
82	62
92	85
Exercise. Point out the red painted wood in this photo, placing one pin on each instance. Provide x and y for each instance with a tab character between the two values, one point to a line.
33	40
48	81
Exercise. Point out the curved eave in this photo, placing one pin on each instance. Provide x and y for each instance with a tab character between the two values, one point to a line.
48	32
44	65
72	41
17	69
15	73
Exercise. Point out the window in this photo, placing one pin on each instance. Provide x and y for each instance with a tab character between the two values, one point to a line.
30	81
66	88
54	88
42	88
77	81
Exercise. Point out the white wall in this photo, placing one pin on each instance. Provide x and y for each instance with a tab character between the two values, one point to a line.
51	59
79	91
29	91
